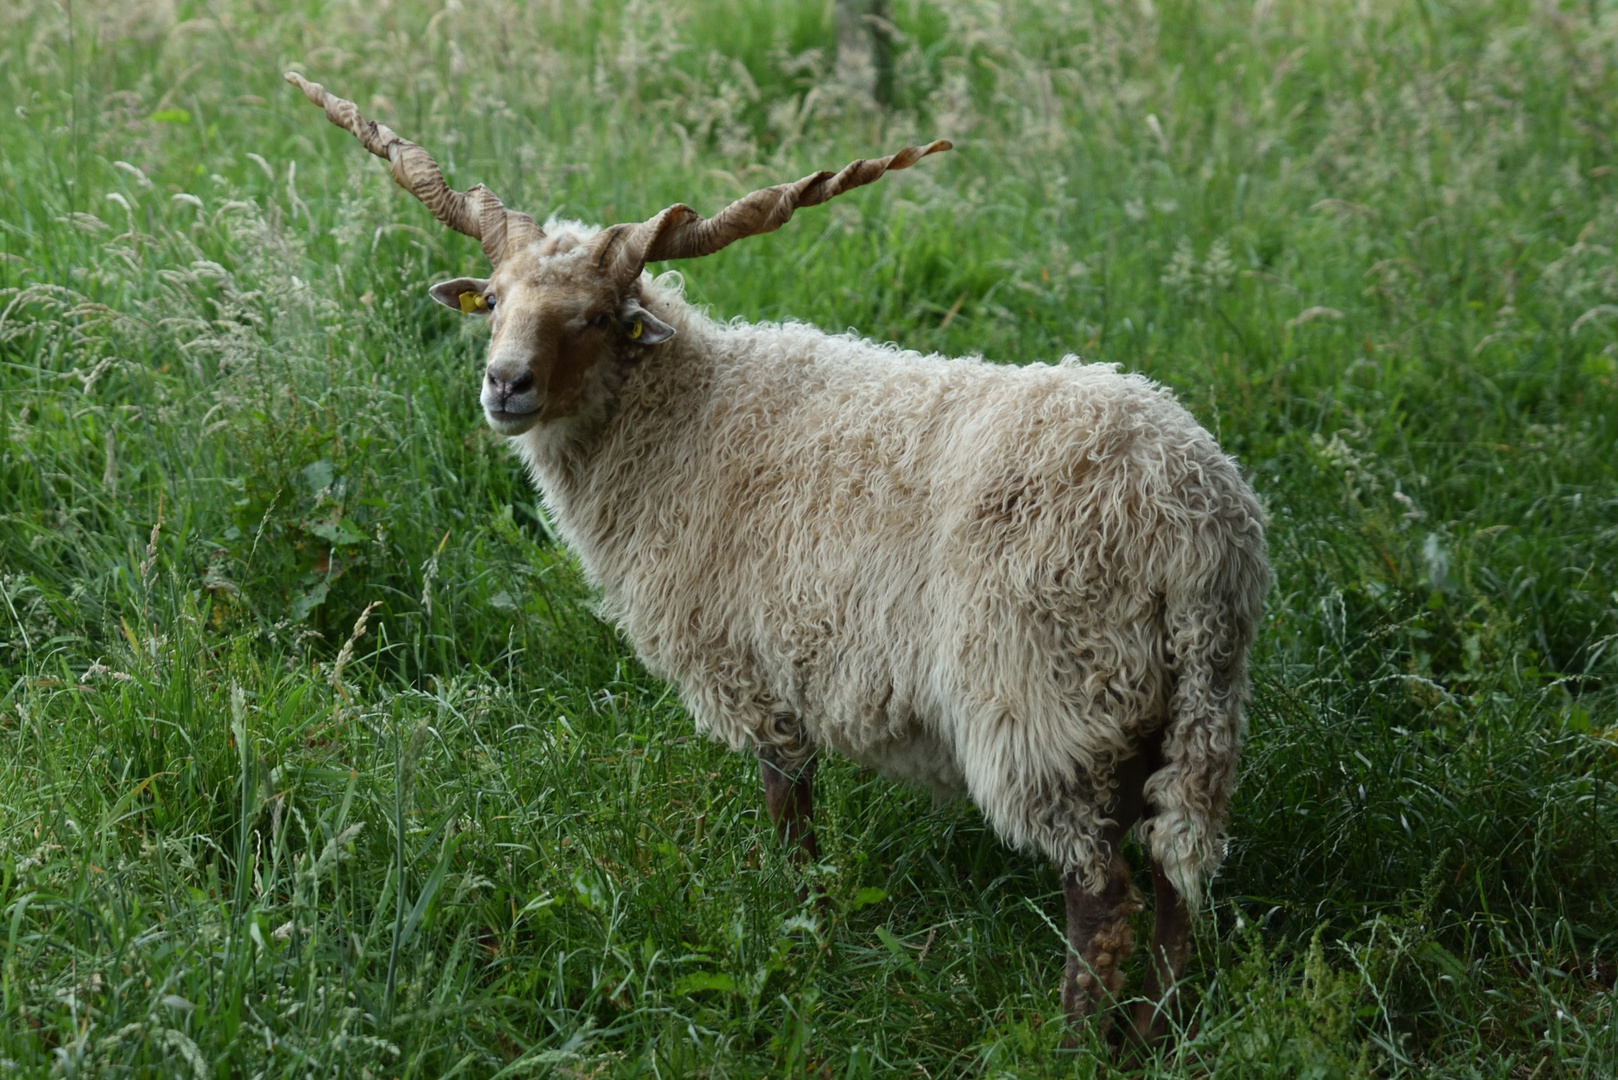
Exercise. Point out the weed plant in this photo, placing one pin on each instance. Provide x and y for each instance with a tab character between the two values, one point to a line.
314	759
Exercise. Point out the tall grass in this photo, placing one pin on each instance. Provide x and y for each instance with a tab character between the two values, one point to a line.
1371	245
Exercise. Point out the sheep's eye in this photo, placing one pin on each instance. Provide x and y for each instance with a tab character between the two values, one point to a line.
600	322
488	300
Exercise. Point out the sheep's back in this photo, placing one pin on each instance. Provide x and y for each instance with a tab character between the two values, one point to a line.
887	546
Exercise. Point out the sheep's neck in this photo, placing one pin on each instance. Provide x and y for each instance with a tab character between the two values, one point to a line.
579	464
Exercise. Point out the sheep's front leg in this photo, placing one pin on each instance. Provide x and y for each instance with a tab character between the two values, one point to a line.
789	796
1098	937
1171	947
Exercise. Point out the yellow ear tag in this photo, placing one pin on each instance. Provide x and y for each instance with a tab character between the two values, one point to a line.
635	333
472	301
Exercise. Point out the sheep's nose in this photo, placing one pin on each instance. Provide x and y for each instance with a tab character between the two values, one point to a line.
509	391
508	388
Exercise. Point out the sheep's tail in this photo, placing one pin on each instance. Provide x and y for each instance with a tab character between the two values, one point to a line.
1208	629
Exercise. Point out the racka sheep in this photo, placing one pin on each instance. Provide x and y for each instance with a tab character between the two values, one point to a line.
1036	586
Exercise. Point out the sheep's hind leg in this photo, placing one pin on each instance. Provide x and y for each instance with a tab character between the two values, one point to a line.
1171	947
1098	937
1098	931
789	797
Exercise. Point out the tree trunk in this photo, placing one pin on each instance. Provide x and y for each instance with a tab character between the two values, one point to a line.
864	51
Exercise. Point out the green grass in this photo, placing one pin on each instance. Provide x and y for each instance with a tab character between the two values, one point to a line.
1371	245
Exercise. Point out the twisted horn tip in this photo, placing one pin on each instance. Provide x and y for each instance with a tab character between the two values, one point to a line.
912	154
311	90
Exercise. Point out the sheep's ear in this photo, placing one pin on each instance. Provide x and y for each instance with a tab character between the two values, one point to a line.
464	294
641	326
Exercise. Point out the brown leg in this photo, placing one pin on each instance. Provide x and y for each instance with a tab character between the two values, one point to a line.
1171	946
789	796
1098	937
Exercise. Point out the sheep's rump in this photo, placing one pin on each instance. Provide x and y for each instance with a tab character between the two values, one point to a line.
976	577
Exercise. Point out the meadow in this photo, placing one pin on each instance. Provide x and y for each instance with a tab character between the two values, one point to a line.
316	761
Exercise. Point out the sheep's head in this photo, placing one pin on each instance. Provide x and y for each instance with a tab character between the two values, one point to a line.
560	305
553	318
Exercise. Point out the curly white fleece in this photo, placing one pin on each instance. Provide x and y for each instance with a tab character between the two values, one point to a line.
971	576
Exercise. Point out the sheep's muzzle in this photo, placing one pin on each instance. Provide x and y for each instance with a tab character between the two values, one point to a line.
510	398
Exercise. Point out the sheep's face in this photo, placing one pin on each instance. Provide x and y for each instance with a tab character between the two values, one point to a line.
554	318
